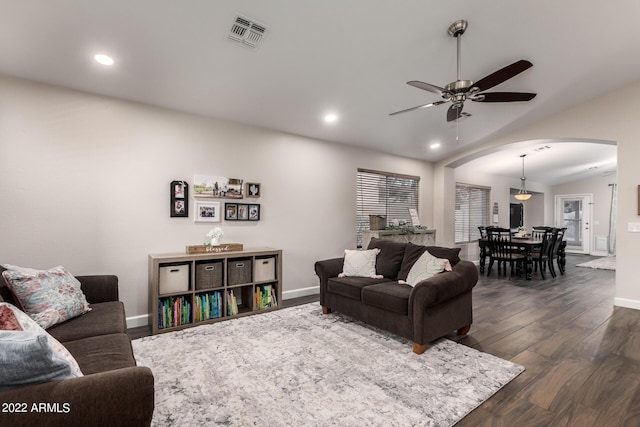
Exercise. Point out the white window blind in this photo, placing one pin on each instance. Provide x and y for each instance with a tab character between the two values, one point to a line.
385	194
472	211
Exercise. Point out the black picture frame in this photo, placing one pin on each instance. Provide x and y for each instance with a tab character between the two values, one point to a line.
254	212
243	212
231	211
179	199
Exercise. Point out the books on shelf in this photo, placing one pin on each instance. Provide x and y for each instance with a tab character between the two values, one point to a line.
208	306
173	311
265	297
232	303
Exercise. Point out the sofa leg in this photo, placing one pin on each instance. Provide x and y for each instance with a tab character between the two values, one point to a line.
464	330
326	310
420	348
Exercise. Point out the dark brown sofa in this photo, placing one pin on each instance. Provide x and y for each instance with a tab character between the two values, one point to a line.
433	308
112	392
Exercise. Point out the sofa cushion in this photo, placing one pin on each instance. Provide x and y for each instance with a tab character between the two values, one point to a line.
388	296
47	296
413	252
104	318
390	257
351	287
103	353
28	355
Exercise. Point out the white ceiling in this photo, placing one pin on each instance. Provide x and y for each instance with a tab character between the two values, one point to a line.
349	57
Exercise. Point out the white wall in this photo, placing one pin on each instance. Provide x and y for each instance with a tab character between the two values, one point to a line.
84	182
611	117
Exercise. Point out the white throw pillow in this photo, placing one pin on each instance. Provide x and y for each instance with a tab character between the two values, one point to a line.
360	263
28	354
425	267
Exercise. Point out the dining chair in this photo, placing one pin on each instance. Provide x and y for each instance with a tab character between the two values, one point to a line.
503	251
483	247
556	252
540	256
539	232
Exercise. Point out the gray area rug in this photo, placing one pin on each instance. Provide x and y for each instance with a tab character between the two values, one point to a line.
298	367
606	263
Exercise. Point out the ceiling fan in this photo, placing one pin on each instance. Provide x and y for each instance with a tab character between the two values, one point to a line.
461	90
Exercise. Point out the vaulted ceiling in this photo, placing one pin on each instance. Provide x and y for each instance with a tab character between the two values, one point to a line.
352	58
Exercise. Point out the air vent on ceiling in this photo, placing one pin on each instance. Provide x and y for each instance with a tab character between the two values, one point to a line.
247	31
542	148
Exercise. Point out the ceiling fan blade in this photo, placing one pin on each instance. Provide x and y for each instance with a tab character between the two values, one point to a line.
426	86
502	75
453	113
503	97
433	104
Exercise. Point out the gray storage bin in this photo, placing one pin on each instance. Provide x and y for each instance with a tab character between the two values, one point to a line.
173	278
209	275
264	269
238	271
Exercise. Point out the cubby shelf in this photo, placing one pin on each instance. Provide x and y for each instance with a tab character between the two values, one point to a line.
195	289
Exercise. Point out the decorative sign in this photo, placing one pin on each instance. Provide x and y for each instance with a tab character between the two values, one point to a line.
205	249
415	220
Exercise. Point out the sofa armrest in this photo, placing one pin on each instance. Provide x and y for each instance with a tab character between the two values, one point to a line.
443	286
325	270
123	397
99	288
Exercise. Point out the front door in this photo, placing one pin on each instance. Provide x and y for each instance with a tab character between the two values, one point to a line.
573	211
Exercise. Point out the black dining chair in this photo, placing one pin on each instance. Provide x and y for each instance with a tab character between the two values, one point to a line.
540	256
503	251
538	233
556	252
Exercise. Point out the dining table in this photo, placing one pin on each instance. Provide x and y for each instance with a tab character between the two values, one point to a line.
526	243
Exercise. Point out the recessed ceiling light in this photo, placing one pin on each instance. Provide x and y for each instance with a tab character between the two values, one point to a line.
435	145
330	118
103	59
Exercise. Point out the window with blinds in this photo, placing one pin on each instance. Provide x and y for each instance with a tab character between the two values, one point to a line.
383	194
472	211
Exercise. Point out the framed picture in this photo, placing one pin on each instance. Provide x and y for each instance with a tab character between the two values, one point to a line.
234	189
179	199
252	189
231	211
243	212
254	212
217	187
207	211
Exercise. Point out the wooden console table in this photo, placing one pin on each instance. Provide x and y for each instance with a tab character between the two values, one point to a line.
418	237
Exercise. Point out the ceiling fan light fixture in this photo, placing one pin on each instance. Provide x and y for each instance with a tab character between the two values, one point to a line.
522	193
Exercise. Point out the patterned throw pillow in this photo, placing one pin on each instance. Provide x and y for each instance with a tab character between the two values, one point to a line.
425	267
360	263
48	296
28	354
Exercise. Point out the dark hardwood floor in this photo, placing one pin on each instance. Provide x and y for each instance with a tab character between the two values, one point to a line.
582	355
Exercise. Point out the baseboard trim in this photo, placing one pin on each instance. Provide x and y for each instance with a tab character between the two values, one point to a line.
627	303
596	253
296	293
137	321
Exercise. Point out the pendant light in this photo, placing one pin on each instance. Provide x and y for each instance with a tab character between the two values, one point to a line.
522	193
